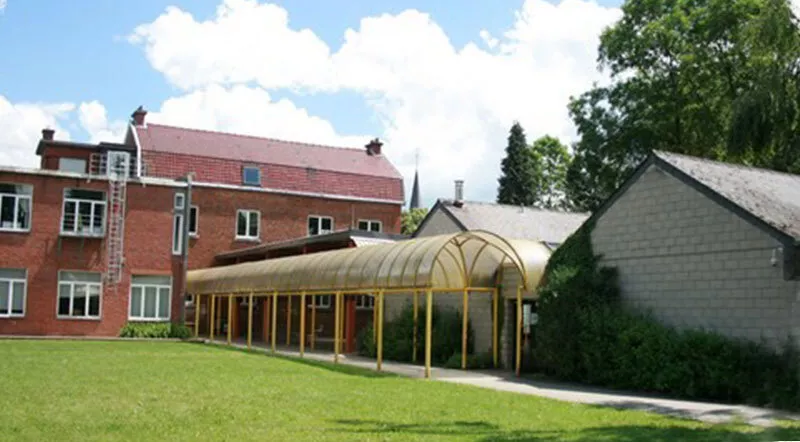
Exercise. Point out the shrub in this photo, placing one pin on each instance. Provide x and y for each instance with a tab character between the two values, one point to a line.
585	334
398	336
155	330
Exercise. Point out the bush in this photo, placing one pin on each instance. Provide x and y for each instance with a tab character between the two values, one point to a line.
155	330
586	335
398	336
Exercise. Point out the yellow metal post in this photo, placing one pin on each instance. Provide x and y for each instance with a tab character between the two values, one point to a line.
250	321
519	330
196	316
380	330
313	321
336	329
428	327
464	324
416	318
218	322
495	325
374	321
274	323
230	317
302	324
212	304
289	320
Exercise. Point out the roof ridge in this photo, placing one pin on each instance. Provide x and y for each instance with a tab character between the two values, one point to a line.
664	155
234	134
511	206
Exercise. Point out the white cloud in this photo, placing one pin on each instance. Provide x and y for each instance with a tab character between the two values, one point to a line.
3	4
454	104
21	127
94	120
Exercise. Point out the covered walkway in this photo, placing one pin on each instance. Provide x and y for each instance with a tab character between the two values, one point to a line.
460	264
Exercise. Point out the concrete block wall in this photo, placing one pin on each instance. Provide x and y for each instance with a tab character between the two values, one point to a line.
695	264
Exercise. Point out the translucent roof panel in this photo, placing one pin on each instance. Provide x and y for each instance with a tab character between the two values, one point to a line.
456	261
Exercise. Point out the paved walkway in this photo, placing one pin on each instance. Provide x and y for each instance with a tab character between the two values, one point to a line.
504	381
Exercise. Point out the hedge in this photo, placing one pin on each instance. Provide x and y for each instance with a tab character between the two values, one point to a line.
155	330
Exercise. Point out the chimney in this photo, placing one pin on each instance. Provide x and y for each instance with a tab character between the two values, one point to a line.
374	147
458	201
47	134
138	116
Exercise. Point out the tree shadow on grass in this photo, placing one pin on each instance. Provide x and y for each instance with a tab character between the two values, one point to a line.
487	432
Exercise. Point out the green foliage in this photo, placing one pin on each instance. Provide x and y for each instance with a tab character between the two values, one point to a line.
398	336
584	334
411	219
551	160
158	330
718	79
518	171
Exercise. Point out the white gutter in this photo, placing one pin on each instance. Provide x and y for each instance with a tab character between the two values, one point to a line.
297	193
132	128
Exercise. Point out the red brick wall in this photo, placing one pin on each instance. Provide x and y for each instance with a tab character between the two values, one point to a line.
148	243
217	170
51	155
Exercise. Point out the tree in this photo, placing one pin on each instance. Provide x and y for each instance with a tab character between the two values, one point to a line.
551	160
411	219
518	180
711	78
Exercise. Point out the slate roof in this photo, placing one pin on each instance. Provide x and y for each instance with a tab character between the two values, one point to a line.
549	226
770	196
218	158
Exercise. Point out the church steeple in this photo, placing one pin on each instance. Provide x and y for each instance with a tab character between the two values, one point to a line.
414	203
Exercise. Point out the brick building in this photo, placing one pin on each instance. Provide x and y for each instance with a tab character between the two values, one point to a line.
94	238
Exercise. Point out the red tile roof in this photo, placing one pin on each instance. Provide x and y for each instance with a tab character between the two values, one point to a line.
217	157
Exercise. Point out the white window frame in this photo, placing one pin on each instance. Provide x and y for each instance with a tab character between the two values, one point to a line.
180	201
244	175
196	210
72	285
95	206
321	301
143	287
177	234
17	197
370	223
319	219
365	302
11	281
247	236
74	161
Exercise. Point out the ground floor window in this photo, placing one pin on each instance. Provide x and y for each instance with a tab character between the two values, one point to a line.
12	292
365	302
322	301
79	294
150	298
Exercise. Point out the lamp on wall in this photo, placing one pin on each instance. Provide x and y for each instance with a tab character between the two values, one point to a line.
775	252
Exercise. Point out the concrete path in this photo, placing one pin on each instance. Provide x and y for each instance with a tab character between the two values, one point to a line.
505	381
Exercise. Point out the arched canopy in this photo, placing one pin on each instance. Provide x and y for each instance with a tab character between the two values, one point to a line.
455	261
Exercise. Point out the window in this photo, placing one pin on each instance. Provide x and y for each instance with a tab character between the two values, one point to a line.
319	225
177	234
321	301
76	165
84	213
12	292
194	211
247	224
365	302
369	225
150	298
251	176
180	201
79	295
15	207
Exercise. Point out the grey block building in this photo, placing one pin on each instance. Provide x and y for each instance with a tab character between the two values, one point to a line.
704	244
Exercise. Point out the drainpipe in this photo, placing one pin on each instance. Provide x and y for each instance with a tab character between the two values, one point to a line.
187	209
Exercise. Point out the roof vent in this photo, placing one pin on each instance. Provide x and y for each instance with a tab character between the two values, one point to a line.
458	199
374	147
48	134
138	116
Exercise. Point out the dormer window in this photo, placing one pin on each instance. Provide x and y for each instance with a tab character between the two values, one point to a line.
251	176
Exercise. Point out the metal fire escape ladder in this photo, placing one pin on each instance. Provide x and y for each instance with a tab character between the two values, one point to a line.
118	167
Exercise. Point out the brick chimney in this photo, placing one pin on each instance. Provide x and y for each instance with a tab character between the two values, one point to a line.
374	147
138	116
47	134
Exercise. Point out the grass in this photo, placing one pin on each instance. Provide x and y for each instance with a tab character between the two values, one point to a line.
70	390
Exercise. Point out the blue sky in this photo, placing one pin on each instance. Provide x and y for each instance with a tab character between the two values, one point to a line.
55	53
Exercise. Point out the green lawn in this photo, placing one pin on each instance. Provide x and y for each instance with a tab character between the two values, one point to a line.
64	390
